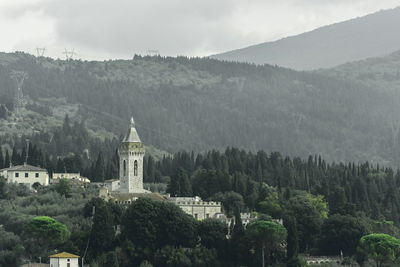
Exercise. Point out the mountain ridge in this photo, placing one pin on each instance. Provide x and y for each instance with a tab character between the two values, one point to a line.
327	46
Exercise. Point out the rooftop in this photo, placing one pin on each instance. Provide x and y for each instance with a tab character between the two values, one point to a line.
25	167
64	255
132	135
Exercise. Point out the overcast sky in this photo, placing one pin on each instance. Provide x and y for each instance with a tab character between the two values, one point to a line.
108	29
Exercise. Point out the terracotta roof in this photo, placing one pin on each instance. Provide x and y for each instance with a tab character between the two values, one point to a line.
64	255
24	167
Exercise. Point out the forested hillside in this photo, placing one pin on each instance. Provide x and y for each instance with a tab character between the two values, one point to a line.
198	104
326	209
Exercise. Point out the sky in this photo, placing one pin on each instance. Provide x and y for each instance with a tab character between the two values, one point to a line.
110	29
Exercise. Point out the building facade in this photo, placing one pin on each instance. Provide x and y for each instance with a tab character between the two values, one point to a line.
25	174
64	259
131	153
198	208
70	176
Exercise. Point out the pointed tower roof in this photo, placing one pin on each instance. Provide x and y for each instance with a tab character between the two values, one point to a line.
132	135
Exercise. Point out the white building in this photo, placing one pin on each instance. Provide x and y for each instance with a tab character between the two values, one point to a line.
131	153
75	177
64	259
25	174
197	208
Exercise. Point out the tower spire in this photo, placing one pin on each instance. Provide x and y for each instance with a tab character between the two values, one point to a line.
131	153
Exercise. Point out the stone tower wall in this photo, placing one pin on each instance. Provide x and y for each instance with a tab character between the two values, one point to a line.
131	183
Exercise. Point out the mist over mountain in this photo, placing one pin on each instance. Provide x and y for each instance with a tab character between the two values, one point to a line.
199	104
373	35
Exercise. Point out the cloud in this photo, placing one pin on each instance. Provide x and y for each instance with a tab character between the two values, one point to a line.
100	29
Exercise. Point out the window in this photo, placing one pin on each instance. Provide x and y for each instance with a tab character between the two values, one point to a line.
37	175
195	216
17	174
207	215
124	167
26	175
68	259
68	264
135	168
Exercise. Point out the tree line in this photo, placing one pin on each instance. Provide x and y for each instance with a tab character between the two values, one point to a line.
200	104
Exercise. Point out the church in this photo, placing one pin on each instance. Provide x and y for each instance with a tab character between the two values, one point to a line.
131	153
129	187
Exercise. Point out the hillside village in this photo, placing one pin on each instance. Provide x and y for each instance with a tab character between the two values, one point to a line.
125	190
226	163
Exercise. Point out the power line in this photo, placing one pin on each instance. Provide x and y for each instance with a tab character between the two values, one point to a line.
40	51
19	78
69	54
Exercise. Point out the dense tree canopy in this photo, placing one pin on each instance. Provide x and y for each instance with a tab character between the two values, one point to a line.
267	236
383	249
151	224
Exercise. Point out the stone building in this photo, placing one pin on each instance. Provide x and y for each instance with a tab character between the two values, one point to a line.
131	153
25	174
112	185
129	187
198	208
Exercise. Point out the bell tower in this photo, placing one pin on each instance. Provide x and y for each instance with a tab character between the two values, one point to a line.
131	153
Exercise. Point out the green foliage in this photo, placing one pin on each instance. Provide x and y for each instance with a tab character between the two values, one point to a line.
44	227
98	173
3	190
212	234
202	104
310	212
63	187
231	201
270	204
267	236
341	233
179	184
10	248
46	234
383	249
102	233
292	241
171	257
151	225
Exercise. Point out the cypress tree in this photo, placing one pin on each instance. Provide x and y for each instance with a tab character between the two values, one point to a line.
15	158
150	169
238	229
98	175
7	160
1	159
292	238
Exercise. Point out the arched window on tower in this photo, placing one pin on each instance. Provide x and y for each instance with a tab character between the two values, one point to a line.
124	167
135	168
